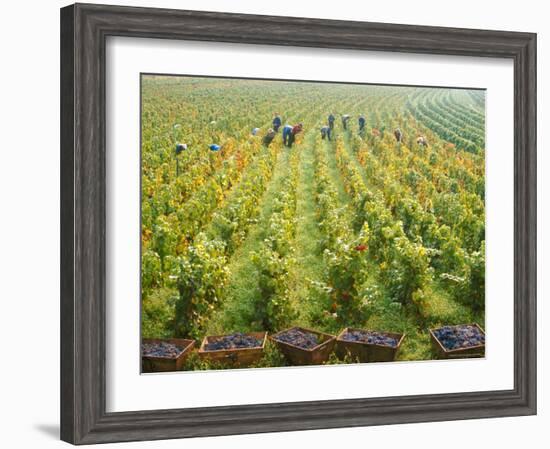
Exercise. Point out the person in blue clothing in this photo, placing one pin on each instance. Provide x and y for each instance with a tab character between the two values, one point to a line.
331	119
326	132
287	132
361	121
277	122
290	133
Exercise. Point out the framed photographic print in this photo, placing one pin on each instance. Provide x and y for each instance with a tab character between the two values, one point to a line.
275	223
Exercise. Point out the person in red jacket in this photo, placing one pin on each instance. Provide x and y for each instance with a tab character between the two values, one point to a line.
296	129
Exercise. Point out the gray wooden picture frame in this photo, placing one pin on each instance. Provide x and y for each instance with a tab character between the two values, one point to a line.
84	29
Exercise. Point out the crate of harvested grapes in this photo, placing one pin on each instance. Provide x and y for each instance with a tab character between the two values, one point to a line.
237	349
162	355
368	346
302	346
460	341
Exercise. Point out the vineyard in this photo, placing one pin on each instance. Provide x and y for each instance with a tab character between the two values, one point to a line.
359	230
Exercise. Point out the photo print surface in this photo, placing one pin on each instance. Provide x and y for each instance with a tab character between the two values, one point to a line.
289	223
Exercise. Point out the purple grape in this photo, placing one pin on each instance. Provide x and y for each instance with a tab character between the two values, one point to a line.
233	341
459	337
370	337
298	337
161	349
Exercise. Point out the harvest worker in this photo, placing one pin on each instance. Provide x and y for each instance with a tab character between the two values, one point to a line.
214	147
180	147
361	121
277	122
421	140
345	119
331	121
255	131
326	132
295	131
290	132
398	135
287	130
268	138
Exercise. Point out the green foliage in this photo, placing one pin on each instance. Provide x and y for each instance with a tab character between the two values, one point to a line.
457	125
231	223
157	311
273	308
195	363
346	268
151	271
273	261
400	227
272	357
468	286
408	271
335	360
200	281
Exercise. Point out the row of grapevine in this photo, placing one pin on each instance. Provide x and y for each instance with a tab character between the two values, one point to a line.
274	260
200	272
404	264
451	230
459	127
343	255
